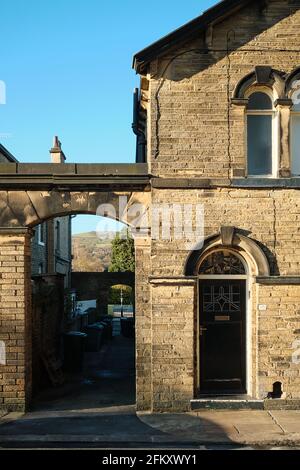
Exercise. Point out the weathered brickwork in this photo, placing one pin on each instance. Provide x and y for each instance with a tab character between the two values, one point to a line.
15	321
143	324
195	131
272	217
278	339
173	343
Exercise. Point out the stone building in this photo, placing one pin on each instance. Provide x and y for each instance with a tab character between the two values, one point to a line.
221	100
217	120
51	244
52	241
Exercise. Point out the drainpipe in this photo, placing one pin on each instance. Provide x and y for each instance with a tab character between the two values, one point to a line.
141	140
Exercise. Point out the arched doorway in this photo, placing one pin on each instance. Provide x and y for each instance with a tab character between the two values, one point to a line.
225	269
222	323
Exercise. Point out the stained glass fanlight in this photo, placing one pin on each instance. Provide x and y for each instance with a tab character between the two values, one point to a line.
222	262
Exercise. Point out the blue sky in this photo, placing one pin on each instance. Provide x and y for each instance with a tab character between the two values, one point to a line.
67	69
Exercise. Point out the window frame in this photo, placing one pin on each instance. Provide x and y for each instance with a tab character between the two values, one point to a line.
41	268
292	114
275	131
58	236
41	234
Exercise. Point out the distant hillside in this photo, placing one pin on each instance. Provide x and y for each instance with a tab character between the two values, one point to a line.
91	253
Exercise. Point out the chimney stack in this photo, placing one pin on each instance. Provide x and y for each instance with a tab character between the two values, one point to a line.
56	153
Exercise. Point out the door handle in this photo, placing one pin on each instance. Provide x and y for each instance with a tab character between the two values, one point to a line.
202	329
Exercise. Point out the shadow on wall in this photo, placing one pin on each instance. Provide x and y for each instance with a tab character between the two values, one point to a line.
189	61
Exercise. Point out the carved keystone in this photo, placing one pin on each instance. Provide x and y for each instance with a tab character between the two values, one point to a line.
227	234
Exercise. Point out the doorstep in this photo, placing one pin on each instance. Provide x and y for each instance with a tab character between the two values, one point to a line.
227	403
243	403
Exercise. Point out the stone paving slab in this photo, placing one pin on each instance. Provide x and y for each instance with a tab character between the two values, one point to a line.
205	428
257	428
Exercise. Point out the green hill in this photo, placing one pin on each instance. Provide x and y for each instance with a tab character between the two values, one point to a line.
91	253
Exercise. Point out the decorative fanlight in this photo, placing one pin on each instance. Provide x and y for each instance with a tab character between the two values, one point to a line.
222	262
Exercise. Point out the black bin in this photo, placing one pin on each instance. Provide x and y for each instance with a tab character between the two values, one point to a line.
127	327
95	334
107	323
74	346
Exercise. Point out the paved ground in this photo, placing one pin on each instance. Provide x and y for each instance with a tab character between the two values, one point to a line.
96	409
254	428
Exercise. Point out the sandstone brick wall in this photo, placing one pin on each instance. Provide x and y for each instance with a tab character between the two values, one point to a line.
173	343
143	324
193	130
271	218
279	339
15	321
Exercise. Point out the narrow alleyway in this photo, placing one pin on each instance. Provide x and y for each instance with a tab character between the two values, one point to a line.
107	380
96	405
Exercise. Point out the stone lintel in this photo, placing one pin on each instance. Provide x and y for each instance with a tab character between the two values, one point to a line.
262	183
16	231
188	183
201	183
283	102
173	280
278	280
240	101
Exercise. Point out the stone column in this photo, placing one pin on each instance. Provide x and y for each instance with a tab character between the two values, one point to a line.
15	319
143	323
283	107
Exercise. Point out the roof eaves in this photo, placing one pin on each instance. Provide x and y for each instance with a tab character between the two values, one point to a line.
8	155
218	11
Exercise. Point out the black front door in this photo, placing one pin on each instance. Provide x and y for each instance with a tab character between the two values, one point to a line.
222	336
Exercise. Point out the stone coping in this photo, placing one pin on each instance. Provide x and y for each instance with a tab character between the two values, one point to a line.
246	183
278	280
110	169
68	177
181	280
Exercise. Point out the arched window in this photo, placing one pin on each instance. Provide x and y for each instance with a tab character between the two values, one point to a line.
222	262
295	132
260	125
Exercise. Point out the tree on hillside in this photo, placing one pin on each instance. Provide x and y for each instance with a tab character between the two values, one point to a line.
122	255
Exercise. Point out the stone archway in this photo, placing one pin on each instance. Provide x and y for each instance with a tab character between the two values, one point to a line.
21	209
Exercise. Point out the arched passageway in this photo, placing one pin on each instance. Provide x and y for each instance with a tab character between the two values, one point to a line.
20	211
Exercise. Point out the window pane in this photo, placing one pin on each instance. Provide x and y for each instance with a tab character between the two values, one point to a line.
295	145
259	145
260	101
296	100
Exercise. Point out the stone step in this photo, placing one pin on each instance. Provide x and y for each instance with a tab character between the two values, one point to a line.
226	404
